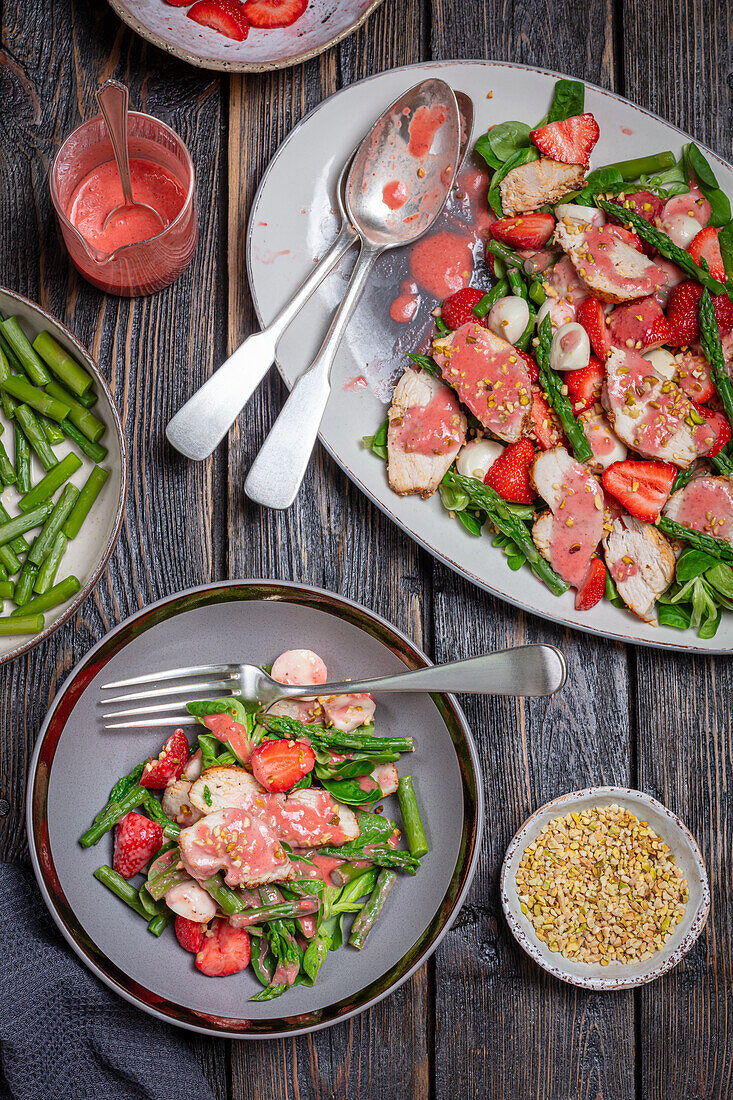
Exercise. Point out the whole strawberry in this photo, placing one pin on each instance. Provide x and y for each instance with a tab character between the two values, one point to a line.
458	309
137	839
509	475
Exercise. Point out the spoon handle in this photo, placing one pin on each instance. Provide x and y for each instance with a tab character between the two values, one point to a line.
528	670
278	470
113	99
199	426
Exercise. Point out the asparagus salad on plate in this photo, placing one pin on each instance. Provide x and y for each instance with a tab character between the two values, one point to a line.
266	837
580	411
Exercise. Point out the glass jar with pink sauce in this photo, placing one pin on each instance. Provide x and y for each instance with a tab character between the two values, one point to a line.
133	255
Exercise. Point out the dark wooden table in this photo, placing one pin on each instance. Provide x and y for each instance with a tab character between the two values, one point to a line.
480	1019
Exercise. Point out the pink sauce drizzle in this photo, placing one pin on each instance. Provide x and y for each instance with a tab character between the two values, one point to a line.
424	125
602	248
395	194
706	504
441	263
226	729
577	526
432	429
352	385
404	307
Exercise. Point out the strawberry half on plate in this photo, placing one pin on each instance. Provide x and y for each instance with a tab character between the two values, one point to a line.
225	16
274	13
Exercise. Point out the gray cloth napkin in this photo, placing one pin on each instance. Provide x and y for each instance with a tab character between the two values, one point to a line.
62	1032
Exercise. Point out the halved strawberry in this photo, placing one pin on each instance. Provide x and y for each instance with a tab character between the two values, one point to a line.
719	423
642	487
682	309
593	587
647	205
137	839
178	3
531	365
225	16
279	765
226	950
626	236
584	385
693	375
641	325
705	246
591	316
524	231
458	309
168	764
570	140
546	427
190	934
509	474
274	13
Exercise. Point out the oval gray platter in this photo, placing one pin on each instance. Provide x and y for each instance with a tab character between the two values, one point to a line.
76	762
293	220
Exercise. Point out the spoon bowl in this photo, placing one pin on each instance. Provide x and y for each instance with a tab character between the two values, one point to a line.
113	99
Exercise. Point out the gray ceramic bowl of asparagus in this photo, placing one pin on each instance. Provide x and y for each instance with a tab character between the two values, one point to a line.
62	451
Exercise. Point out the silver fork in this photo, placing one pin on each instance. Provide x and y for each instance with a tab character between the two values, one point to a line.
528	670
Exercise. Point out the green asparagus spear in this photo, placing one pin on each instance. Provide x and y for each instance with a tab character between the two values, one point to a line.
553	387
283	910
717	548
36	398
32	431
369	915
46	574
18	525
417	842
52	481
21	624
7	474
95	451
89	493
52	431
499	290
31	362
229	902
710	339
66	369
121	887
24	585
22	460
159	923
53	524
666	247
9	403
643	166
113	812
59	593
80	417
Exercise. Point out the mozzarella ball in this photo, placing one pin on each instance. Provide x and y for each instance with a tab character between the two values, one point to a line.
188	899
509	317
681	228
581	215
560	311
477	457
570	349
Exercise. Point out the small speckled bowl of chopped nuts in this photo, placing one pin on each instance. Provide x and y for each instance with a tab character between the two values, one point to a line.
605	888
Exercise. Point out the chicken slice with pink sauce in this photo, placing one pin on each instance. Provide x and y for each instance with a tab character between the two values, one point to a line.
426	431
706	505
652	415
568	535
612	269
234	841
490	378
641	562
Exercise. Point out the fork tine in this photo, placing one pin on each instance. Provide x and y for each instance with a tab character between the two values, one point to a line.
179	689
143	723
154	709
174	674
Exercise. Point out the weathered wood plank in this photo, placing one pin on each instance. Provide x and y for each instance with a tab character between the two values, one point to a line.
503	1028
151	350
684	704
329	529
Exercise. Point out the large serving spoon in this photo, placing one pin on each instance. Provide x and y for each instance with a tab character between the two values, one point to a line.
411	158
114	100
199	426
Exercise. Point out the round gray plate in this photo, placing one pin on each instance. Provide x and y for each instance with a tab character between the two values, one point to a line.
76	762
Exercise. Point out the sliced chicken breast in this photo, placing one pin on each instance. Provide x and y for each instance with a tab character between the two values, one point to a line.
706	504
176	802
426	431
539	182
605	444
641	562
653	415
387	778
244	847
614	270
304	818
567	536
490	378
348	712
565	287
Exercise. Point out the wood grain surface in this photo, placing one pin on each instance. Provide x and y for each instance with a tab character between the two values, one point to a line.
480	1020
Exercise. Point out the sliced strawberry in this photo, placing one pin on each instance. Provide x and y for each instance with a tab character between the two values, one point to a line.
178	3
682	313
546	428
723	313
509	474
225	951
705	246
593	587
137	839
274	13
591	316
525	231
458	309
531	365
279	765
719	423
626	236
693	375
642	487
570	140
640	325
168	764
225	16
647	205
585	385
190	934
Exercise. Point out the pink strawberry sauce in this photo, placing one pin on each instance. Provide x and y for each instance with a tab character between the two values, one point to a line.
577	525
432	429
424	125
395	194
100	192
